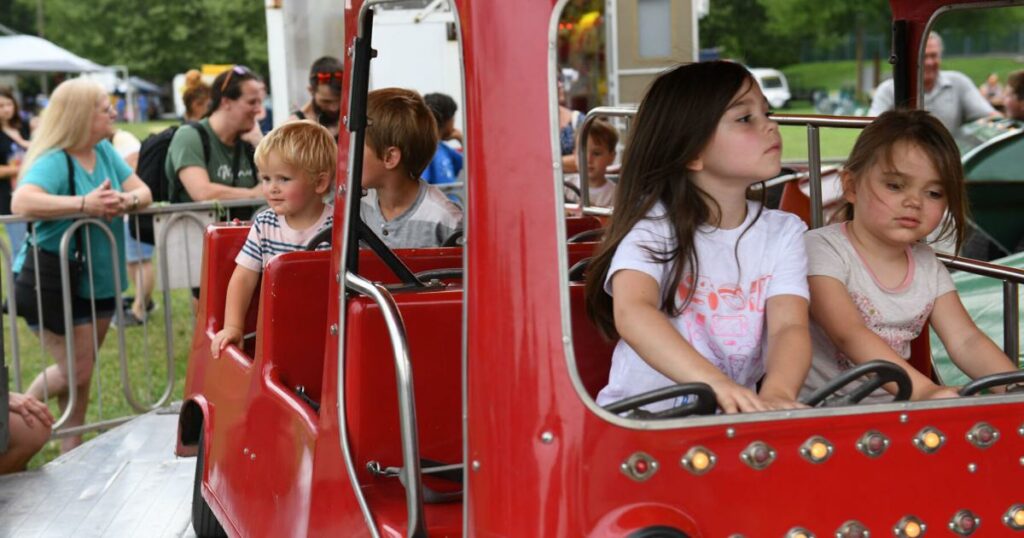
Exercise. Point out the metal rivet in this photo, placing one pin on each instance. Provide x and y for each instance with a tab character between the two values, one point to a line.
639	466
852	529
983	435
547	438
1022	461
904	418
1020	431
730	432
817	449
334	329
698	460
972	467
929	440
252	456
245	451
758	455
873	443
909	527
475	465
964	523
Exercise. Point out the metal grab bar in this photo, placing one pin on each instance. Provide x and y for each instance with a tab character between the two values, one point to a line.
159	208
1011	278
410	474
813	124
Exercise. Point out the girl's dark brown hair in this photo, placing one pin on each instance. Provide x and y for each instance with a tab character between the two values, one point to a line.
16	118
675	122
875	145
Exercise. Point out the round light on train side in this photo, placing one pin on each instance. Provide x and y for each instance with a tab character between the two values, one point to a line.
698	460
817	449
1014	517
799	532
929	440
909	527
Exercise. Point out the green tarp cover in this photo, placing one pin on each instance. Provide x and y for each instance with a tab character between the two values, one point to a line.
983	299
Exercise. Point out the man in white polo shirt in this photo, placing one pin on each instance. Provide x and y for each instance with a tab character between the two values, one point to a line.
949	95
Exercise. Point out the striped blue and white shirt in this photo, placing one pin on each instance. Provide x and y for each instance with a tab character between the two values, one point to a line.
270	235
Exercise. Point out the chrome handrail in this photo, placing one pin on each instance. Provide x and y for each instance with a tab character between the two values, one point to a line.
410	474
1011	278
814	122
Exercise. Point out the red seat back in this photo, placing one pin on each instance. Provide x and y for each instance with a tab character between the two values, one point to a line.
433	323
223	242
293	318
593	352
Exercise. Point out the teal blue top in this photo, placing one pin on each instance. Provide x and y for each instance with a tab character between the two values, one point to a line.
50	172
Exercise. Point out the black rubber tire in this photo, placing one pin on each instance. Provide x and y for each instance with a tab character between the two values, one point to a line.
203	521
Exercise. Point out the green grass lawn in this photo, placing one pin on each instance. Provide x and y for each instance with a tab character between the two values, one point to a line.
143	130
843	74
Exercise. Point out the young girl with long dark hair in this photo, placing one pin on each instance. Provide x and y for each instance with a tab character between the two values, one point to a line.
700	284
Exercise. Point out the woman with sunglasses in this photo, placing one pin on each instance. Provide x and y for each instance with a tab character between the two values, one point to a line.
71	147
226	171
324	104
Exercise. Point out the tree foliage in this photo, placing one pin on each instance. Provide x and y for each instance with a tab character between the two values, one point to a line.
156	39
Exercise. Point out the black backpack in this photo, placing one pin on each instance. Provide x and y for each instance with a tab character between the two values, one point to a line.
152	156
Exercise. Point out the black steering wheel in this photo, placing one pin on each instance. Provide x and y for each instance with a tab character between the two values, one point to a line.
877	372
701	401
455	239
323	236
1004	379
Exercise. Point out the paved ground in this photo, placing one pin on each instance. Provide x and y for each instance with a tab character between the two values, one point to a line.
126	482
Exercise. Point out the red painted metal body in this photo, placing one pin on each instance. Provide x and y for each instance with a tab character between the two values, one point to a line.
541	460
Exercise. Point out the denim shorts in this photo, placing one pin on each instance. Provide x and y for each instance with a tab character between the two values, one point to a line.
135	251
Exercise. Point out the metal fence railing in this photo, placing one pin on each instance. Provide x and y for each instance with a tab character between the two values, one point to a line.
146	357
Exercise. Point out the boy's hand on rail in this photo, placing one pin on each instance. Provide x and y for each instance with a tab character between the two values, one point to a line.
227	335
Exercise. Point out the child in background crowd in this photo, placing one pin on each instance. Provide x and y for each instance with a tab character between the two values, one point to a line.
447	162
296	163
401	138
602	139
701	284
874	282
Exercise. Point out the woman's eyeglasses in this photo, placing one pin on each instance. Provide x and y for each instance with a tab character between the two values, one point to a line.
236	69
325	78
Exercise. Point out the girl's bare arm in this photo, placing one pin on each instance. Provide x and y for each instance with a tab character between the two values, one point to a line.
646	329
971	350
788	352
834	311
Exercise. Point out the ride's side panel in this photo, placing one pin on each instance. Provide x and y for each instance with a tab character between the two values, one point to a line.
516	392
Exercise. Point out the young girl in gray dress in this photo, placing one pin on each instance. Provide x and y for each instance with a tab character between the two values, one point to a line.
874	282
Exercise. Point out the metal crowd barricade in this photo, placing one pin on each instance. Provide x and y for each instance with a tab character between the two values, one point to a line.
177	213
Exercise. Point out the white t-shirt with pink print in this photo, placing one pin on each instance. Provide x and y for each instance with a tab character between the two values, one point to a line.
896	315
725	319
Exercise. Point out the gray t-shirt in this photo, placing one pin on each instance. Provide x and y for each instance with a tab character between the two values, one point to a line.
954	100
430	220
896	315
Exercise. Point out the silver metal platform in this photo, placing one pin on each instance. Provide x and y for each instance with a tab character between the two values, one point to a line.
125	482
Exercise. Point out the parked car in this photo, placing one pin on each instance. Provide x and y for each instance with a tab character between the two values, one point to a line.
774	85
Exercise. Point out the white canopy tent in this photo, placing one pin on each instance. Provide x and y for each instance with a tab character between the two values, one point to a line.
31	54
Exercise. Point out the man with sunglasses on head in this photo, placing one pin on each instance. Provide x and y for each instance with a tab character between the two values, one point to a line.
324	105
217	164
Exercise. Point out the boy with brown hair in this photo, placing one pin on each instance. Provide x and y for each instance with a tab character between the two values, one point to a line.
602	139
403	209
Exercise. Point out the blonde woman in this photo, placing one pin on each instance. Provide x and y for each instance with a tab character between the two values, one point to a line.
73	136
